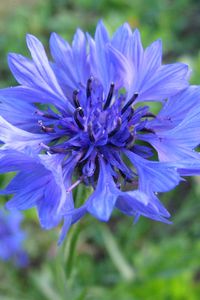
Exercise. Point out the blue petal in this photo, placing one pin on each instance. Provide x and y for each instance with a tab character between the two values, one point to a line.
179	142
101	40
20	114
25	180
150	63
33	95
59	180
79	48
70	218
63	57
118	68
167	81
136	50
136	203
154	176
92	56
187	133
121	38
168	149
24	70
47	206
28	187
26	199
175	109
28	75
12	160
189	168
43	187
42	64
101	203
65	229
19	139
149	78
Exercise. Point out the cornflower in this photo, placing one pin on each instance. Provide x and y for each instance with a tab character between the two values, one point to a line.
80	118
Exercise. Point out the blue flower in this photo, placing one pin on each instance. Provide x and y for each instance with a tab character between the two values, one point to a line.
81	118
12	238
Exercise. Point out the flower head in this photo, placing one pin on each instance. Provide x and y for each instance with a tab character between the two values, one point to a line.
11	238
80	118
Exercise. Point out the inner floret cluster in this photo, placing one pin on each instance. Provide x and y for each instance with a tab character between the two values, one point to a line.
100	126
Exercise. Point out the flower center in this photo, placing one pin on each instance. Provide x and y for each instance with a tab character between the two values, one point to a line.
103	121
98	126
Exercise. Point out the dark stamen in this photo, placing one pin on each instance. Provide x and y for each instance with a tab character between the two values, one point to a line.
90	132
129	103
81	112
47	129
130	141
44	128
125	176
48	116
119	122
149	115
89	88
148	130
77	112
58	150
131	114
75	99
109	98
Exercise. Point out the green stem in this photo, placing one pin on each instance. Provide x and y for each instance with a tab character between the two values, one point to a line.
70	249
73	235
126	271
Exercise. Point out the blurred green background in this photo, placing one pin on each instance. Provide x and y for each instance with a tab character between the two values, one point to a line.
118	260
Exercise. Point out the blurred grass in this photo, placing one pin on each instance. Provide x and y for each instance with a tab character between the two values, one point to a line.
165	259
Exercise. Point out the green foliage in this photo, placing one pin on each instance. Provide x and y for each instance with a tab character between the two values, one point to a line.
120	261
